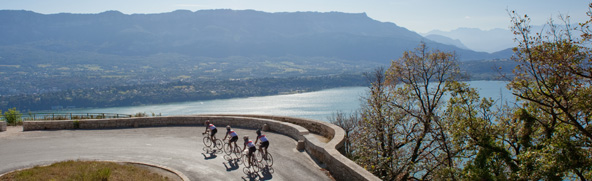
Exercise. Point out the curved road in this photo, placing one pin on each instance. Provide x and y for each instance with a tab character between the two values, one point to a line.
178	148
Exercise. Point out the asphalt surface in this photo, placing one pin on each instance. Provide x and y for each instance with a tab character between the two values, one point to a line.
177	148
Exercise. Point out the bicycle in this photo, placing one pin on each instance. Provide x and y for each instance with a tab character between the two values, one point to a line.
235	149
252	165
266	158
207	140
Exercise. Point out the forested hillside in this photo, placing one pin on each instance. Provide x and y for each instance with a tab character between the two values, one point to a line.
42	54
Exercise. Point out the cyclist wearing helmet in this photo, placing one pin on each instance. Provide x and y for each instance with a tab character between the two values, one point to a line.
264	142
232	134
249	144
212	130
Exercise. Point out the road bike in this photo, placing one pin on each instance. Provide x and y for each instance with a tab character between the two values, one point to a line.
207	140
252	166
235	150
266	158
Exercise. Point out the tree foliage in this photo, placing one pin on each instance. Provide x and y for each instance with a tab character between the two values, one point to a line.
554	84
401	130
12	116
405	133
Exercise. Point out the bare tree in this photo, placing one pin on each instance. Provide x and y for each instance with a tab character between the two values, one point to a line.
349	125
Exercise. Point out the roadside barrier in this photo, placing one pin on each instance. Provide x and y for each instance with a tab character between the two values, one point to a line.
340	167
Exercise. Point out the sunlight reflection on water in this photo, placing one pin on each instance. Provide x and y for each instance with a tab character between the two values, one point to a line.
318	105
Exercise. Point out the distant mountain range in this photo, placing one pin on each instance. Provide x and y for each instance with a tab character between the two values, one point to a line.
218	34
446	40
491	41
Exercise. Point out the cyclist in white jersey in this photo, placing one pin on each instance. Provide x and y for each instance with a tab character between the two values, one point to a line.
212	130
249	144
264	142
232	134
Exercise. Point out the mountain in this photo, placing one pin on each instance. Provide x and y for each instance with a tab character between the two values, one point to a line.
213	33
447	41
493	40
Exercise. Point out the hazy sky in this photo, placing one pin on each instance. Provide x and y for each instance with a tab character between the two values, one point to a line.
417	15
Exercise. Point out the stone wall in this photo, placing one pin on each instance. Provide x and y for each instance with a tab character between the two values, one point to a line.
340	167
2	126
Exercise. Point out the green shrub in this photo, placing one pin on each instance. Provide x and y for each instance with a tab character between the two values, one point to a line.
140	114
13	117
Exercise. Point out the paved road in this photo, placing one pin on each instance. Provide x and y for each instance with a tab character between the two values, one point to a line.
178	148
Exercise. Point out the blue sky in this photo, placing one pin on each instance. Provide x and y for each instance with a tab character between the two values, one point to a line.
417	15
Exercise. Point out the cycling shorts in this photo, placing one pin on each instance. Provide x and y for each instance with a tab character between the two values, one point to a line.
214	131
264	145
252	150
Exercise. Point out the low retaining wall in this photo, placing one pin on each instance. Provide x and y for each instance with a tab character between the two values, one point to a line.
340	167
2	126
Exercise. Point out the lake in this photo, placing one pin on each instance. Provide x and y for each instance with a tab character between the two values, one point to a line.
318	105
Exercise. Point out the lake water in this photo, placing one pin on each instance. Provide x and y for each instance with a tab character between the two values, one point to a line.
318	105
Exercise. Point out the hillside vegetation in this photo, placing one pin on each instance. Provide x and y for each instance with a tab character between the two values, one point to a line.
61	54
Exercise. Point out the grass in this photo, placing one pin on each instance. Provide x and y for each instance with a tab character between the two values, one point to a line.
85	170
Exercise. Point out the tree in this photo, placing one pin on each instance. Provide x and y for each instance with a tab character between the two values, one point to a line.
401	135
419	81
349	125
554	80
489	141
546	136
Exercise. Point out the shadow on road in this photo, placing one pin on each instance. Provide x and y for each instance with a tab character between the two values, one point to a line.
212	155
266	173
231	165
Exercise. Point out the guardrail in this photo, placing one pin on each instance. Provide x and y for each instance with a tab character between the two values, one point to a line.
71	116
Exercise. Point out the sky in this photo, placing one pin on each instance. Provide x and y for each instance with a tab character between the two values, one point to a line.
420	16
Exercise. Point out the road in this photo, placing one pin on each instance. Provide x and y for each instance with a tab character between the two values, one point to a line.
178	148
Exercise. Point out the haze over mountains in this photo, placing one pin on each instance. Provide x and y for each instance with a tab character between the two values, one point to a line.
491	41
114	59
217	33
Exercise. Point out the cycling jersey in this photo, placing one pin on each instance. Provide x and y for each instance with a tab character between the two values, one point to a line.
232	133
263	138
212	127
250	144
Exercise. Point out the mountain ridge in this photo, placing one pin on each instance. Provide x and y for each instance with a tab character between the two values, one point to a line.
493	40
217	33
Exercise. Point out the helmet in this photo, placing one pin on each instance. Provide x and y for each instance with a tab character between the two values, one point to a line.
245	137
258	132
207	121
228	127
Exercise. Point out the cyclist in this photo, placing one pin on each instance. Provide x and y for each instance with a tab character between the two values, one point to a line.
264	143
212	130
249	144
233	135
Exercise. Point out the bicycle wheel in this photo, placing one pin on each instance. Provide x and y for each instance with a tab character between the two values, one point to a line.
247	171
241	159
255	166
237	151
258	156
245	159
268	159
219	144
207	141
228	158
227	149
